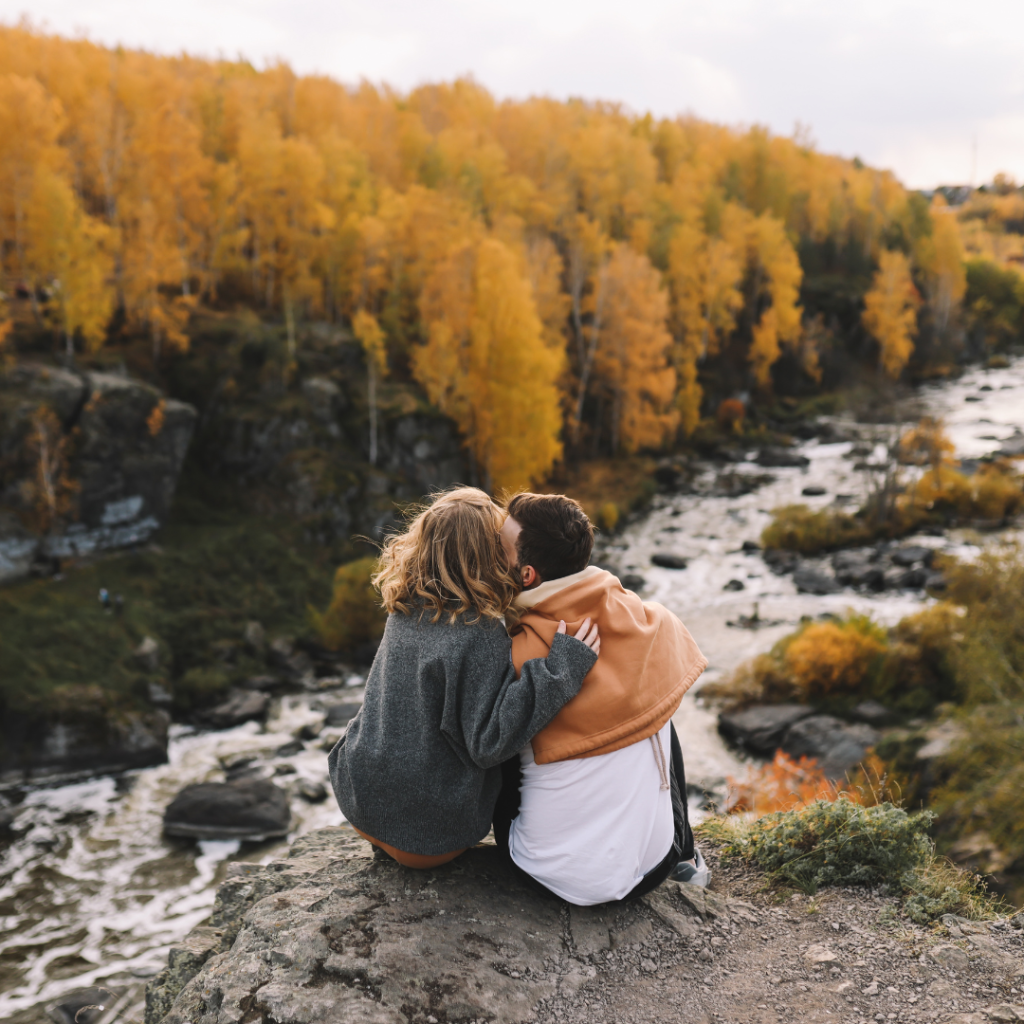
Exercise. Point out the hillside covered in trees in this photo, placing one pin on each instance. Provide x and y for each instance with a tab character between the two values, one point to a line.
562	279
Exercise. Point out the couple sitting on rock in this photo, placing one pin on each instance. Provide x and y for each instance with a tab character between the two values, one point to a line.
494	702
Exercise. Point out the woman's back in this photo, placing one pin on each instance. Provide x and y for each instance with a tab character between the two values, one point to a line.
419	767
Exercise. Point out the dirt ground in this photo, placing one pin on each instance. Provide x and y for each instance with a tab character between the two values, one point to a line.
844	955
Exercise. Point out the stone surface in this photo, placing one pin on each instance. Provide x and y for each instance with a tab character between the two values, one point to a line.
781	561
95	734
668	561
836	746
248	809
241	706
760	729
781	457
913	554
872	713
124	462
335	934
810	581
342	713
147	654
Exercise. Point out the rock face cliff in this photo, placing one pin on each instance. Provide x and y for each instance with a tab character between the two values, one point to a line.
117	442
337	934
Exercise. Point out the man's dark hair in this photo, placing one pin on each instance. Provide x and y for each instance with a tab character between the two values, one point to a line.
557	537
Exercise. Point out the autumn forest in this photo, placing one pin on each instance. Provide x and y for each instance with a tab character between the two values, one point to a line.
567	274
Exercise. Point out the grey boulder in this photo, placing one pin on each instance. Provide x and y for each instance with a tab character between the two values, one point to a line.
760	729
781	458
810	581
241	706
246	809
836	746
668	561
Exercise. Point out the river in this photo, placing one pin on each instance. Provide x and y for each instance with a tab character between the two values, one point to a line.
90	890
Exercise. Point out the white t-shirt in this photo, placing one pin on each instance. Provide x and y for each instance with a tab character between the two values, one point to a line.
590	829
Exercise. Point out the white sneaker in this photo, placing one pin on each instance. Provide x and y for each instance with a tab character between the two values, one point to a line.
697	873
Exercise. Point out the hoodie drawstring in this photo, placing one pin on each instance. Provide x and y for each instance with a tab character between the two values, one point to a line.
659	756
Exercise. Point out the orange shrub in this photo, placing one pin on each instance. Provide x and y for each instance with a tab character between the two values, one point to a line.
730	414
828	656
785	785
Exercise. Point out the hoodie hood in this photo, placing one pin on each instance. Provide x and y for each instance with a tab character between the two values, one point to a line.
648	661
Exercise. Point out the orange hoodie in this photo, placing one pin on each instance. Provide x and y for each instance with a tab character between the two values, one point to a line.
648	661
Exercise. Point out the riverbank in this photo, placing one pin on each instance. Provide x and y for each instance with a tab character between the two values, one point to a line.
90	889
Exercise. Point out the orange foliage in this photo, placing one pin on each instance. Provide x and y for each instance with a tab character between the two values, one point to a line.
632	248
155	419
827	657
730	414
786	784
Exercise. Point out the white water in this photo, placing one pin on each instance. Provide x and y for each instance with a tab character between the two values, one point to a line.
99	897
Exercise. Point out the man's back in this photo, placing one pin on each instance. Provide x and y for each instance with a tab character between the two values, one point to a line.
590	828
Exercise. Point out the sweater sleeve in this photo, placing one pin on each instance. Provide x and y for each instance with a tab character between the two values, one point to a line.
487	720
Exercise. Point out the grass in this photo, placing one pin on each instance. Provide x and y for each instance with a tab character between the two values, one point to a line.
841	842
193	594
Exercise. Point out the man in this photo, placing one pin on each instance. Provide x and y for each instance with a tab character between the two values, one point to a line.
595	810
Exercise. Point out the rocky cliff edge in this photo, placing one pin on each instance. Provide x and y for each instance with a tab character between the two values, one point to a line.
336	934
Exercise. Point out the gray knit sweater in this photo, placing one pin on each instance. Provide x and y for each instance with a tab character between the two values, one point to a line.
419	767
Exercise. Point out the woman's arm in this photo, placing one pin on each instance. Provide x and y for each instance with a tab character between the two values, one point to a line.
490	715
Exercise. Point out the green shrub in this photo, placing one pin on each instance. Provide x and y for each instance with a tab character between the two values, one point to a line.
797	528
839	842
355	616
200	687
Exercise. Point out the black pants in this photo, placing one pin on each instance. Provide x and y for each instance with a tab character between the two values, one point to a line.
507	809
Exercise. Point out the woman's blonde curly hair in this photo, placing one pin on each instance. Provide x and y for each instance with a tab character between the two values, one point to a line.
450	560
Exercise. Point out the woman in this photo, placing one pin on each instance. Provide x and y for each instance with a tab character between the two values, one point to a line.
419	769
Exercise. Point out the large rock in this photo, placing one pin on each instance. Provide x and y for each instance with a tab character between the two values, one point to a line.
247	809
83	732
126	446
836	746
782	457
760	729
241	706
334	935
810	581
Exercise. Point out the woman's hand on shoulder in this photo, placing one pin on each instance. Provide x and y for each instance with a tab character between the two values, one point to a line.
587	633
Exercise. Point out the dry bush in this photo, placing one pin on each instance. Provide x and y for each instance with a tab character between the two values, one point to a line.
830	657
785	784
797	528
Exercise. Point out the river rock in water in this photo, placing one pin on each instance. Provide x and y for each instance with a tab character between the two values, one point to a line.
668	561
781	458
810	581
241	706
760	729
248	809
836	746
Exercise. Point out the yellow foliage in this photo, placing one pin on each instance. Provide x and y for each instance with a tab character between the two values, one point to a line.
155	419
890	311
633	354
487	365
828	657
151	183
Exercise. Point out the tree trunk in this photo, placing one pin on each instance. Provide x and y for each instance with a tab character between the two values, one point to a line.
372	388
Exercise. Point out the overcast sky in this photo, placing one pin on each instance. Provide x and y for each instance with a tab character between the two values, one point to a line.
905	84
